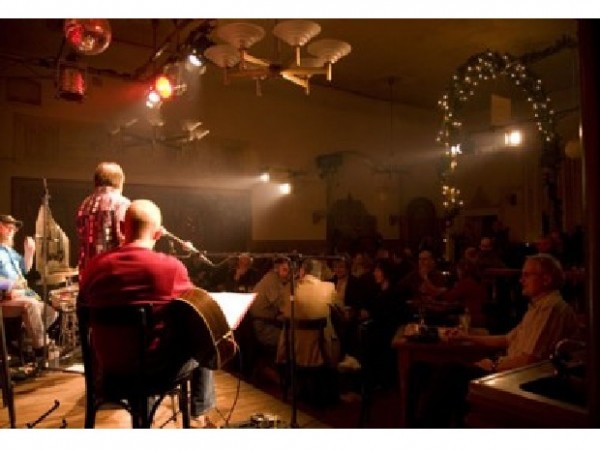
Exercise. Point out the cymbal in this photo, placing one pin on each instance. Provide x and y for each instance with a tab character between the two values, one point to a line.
58	277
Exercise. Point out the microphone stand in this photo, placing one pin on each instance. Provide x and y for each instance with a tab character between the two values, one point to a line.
44	246
44	255
292	343
188	246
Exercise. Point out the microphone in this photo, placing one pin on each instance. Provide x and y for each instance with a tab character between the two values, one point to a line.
188	246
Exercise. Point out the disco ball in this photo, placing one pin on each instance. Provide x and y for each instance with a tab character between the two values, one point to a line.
88	36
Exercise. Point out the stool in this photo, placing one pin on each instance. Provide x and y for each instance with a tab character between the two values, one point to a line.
15	331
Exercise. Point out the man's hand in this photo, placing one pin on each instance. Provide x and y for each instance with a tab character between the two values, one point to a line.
29	245
486	364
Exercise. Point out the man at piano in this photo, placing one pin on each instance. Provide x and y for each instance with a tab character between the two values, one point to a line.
136	274
17	299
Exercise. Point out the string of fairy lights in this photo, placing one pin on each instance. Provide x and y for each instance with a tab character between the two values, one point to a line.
480	68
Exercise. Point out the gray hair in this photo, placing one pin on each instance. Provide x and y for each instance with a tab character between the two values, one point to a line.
551	266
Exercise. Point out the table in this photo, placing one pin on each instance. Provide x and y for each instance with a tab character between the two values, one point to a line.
409	352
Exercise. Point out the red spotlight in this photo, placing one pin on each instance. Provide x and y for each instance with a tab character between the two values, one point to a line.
163	87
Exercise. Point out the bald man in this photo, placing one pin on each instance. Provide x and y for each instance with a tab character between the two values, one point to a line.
135	274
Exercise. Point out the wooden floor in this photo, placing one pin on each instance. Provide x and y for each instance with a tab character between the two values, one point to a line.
38	395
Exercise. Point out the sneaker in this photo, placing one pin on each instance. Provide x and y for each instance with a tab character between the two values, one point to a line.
201	421
349	364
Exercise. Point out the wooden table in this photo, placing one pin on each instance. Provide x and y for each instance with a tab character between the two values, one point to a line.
409	352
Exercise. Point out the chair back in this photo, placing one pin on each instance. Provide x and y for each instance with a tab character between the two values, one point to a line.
115	341
309	339
124	363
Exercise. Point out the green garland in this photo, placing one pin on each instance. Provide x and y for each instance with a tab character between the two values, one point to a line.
477	69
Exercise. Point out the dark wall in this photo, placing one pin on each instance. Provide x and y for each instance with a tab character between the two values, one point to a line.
213	220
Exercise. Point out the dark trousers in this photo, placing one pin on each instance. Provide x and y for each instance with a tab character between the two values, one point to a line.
439	393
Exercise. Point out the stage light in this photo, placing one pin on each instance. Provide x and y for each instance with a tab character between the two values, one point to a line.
70	83
163	87
153	99
195	59
285	188
513	138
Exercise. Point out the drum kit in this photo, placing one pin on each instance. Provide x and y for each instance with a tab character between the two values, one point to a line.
64	299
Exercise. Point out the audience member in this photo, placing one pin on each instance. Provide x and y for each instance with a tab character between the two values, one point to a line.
386	310
345	312
242	277
488	257
547	321
424	285
272	293
467	294
312	300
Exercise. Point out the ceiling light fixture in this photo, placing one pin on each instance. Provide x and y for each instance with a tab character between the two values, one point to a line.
88	36
234	58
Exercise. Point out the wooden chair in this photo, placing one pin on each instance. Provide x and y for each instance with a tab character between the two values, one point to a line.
15	332
138	391
311	357
5	381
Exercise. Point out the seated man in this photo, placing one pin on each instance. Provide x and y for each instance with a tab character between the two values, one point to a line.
547	321
272	292
19	300
134	274
313	298
242	277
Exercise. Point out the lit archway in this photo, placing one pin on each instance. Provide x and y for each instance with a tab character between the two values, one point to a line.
478	69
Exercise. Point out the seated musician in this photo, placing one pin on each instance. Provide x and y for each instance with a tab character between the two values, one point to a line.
136	274
547	321
18	299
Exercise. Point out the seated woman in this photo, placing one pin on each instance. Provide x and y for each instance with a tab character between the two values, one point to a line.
386	310
469	293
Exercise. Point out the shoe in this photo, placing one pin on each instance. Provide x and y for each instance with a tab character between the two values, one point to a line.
349	364
202	421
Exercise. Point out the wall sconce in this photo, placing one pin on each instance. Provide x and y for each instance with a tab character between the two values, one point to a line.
264	177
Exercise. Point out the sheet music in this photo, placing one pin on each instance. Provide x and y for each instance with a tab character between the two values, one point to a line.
234	305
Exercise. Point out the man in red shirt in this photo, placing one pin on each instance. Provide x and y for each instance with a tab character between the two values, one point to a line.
135	274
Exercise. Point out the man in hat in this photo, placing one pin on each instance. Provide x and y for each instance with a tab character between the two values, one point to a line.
17	299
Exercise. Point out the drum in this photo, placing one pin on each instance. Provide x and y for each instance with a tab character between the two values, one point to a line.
64	298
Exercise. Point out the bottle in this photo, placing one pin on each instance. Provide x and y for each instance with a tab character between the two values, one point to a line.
465	321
